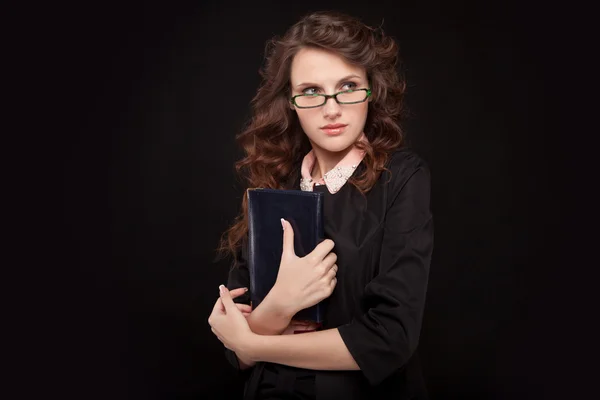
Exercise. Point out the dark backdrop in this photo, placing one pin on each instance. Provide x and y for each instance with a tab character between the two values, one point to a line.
151	97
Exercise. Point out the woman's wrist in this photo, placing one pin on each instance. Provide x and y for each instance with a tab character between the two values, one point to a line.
278	306
271	317
244	360
249	349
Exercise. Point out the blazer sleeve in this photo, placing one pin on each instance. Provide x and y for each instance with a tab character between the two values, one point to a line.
384	337
238	277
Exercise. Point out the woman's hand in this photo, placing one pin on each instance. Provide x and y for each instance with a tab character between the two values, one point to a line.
245	309
229	324
303	281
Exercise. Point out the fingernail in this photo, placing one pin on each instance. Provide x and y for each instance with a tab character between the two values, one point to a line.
221	287
283	223
245	289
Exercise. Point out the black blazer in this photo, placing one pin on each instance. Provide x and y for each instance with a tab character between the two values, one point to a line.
384	243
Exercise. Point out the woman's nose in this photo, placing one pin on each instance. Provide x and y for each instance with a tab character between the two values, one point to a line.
331	108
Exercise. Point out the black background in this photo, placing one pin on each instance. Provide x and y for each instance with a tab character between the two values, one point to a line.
140	107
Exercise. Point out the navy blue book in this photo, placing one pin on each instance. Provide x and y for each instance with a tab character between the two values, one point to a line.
304	211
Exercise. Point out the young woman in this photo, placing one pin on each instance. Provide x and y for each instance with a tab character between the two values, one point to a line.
326	118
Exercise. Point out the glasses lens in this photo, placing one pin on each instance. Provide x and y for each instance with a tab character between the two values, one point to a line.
309	101
352	96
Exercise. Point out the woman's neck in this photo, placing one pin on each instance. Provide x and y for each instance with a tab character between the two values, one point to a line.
326	161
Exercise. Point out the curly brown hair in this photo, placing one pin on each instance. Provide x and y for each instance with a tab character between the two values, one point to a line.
274	142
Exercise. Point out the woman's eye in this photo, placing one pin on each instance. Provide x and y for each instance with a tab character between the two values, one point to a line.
348	86
309	91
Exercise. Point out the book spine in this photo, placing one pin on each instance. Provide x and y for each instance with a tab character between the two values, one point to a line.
251	249
320	307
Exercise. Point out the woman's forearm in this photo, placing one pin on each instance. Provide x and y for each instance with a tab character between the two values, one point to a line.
244	364
267	319
320	350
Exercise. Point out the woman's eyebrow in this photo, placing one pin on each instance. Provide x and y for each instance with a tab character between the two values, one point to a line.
340	81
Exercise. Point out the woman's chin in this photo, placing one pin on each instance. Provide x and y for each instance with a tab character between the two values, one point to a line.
333	144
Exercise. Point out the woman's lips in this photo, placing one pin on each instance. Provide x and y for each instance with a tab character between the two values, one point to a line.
333	130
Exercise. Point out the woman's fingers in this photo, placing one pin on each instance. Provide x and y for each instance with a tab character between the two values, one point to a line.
328	264
332	272
234	293
218	306
322	250
329	260
244	308
332	283
238	292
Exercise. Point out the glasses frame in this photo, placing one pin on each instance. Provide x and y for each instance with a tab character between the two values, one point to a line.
334	96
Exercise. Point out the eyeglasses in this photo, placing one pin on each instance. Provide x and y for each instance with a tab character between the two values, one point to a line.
352	96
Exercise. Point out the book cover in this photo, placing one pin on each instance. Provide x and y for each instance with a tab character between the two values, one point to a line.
304	211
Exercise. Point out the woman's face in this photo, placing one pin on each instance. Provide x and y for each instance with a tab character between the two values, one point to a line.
319	71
